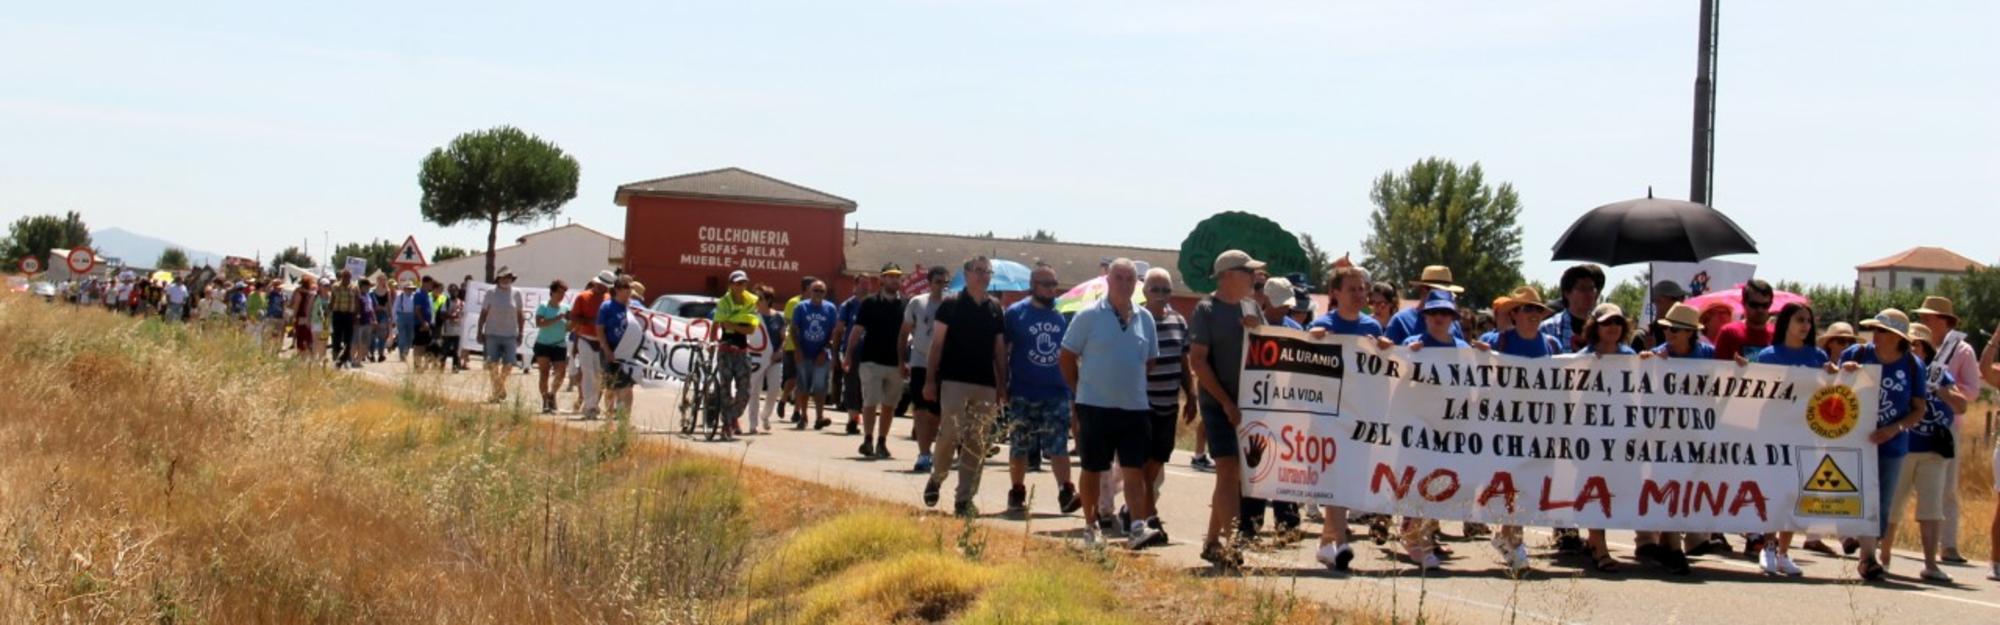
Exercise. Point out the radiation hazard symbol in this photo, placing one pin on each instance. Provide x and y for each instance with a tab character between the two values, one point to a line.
1830	489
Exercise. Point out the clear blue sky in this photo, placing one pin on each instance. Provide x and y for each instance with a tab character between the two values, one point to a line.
1848	130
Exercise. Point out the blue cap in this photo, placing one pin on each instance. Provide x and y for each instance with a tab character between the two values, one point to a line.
1439	299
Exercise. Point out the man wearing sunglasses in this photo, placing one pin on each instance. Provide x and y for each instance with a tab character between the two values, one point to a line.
918	316
1216	334
966	345
1038	397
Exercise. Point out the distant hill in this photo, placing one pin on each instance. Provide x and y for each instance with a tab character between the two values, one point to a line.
139	250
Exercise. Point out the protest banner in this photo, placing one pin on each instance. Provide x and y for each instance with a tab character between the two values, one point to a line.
475	300
659	348
1614	443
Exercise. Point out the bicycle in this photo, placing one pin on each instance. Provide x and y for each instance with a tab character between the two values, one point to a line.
701	397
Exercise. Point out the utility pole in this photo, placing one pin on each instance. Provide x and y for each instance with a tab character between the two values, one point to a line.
1701	174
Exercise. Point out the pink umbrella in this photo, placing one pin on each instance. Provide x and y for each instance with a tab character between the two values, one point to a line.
1733	298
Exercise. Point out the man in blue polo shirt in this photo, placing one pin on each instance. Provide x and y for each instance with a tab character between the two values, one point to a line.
1105	353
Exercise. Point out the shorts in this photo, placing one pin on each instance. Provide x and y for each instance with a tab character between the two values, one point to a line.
508	349
881	385
302	338
1128	434
1887	468
1924	473
920	375
1037	425
791	365
1996	462
812	376
618	377
1221	435
1166	424
556	354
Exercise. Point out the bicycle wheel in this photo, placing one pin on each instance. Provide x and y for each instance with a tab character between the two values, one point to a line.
690	400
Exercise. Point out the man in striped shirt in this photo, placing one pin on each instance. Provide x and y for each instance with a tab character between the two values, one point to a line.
1169	388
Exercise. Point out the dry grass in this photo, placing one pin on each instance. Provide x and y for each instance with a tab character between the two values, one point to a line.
1975	491
170	474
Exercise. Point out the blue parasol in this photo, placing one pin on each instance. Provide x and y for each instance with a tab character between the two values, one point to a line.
1008	276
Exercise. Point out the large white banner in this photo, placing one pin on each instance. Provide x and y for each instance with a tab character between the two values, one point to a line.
1612	443
659	348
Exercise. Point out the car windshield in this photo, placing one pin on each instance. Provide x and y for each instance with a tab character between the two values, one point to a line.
697	310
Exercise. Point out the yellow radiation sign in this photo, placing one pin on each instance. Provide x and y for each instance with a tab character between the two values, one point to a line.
1828	478
1833	411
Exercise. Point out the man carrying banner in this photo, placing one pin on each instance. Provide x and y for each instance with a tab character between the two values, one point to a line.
1216	336
1276	299
1105	352
1525	311
1348	287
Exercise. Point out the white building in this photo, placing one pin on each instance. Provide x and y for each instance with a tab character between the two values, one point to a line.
1914	269
571	253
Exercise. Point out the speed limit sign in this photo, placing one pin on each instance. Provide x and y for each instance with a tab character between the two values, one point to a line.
81	260
30	265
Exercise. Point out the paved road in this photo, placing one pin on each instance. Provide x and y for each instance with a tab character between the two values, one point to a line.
1474	588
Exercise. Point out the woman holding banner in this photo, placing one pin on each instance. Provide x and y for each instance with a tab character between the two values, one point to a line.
1798	333
1606	333
1684	326
1440	316
1904	402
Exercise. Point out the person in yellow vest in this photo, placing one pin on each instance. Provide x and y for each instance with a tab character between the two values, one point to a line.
735	320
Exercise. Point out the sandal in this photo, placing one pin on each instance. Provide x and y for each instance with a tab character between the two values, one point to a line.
1871	571
1605	563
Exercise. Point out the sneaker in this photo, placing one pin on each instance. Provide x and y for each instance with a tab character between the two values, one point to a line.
822	423
1092	539
1017	499
1567	541
1068	501
1676	562
1935	576
1715	543
853	427
1789	568
931	494
1515	556
1139	535
1430	562
867	448
1214	553
1108	524
1754	544
1158	527
923	463
1202	463
1336	556
882	450
1952	557
965	509
1849	545
1124	517
1767	558
1378	530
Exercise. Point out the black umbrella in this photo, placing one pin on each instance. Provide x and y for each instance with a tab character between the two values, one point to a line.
1652	229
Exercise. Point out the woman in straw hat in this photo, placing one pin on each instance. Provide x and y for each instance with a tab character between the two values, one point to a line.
1607	333
1796	345
1683	325
1926	466
1904	402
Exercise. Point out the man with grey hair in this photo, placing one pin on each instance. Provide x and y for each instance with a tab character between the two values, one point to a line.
1105	352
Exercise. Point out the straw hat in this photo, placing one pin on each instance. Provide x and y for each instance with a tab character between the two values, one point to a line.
1892	321
1839	330
1438	277
1522	296
1682	316
1920	333
1939	306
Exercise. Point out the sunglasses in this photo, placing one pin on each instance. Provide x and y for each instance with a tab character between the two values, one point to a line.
1160	290
1045	283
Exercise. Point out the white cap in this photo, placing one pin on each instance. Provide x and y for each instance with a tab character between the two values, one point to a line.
1279	291
738	276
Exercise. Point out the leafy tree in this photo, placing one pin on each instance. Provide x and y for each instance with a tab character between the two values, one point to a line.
1630	296
172	259
1318	262
1262	238
379	254
448	252
290	255
496	176
1041	236
36	235
1437	213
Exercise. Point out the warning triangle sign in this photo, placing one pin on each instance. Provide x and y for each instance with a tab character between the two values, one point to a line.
1828	478
410	255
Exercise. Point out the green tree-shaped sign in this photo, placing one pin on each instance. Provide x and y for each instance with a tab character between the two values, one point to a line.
1262	238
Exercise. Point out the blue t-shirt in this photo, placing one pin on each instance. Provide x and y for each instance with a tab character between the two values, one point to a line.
611	321
1791	356
1511	343
274	307
1902	383
1111	372
1429	342
814	323
1293	323
1034	347
850	312
1934	431
1702	351
1363	326
1408	323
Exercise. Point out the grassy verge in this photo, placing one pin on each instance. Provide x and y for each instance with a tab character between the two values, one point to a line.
176	475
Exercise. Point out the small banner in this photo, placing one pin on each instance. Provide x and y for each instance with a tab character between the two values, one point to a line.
1578	441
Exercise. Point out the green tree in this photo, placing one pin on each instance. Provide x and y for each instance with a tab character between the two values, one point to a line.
448	252
36	235
1630	296
1976	295
291	255
1437	213
1318	262
496	176
1261	238
379	254
172	259
1041	236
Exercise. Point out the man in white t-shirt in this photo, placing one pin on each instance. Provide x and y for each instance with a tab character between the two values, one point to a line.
917	317
501	324
177	298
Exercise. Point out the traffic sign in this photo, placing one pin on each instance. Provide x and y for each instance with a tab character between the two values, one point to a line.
81	260
410	255
407	274
30	265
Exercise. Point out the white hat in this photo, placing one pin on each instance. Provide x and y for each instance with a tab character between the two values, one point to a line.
605	277
1279	291
738	276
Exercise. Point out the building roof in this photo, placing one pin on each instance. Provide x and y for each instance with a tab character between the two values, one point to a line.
733	184
1074	263
1922	259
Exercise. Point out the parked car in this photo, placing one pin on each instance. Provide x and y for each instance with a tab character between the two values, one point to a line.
46	290
685	305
